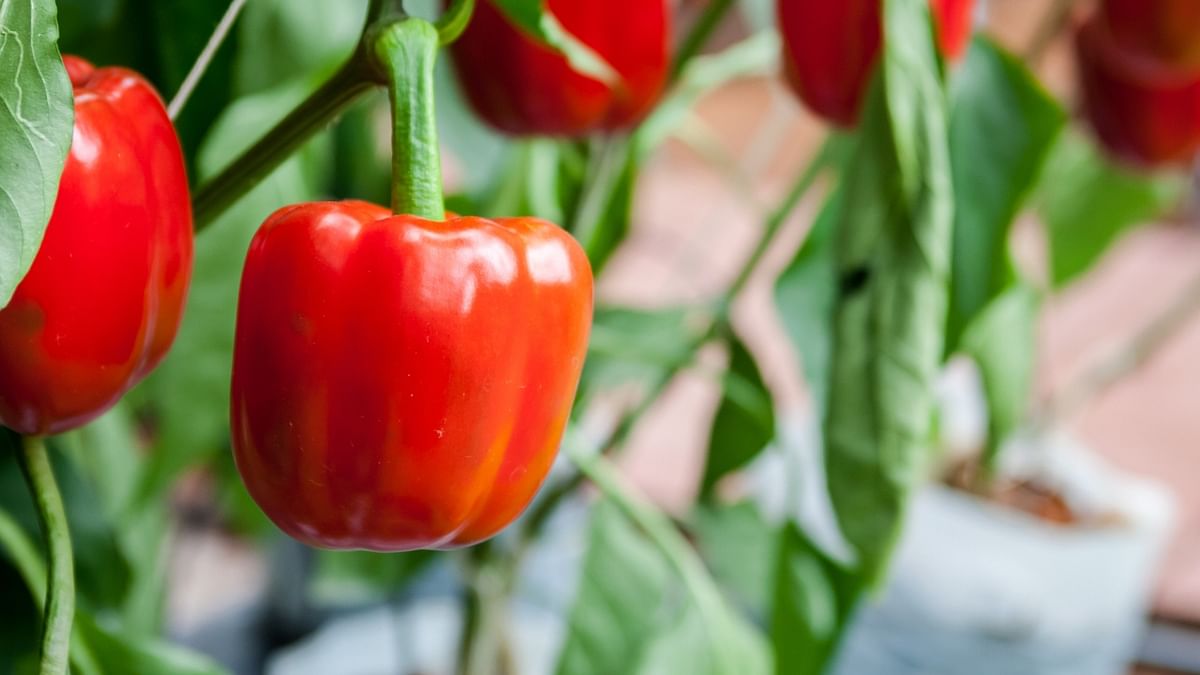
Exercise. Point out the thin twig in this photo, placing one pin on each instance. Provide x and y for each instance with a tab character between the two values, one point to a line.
1053	22
1128	358
205	58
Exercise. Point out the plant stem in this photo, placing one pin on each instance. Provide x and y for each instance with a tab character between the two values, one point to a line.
256	163
1128	358
205	58
1051	25
60	578
696	38
829	151
406	52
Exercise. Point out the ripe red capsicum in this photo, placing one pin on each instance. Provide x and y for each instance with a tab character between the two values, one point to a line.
403	381
102	301
830	48
522	87
1168	30
1144	110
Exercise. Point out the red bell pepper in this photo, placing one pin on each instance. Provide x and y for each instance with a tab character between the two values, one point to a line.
1144	110
830	48
403	383
522	87
1168	30
103	298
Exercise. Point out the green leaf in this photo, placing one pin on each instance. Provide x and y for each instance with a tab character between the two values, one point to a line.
601	220
893	260
189	392
637	347
745	420
535	18
627	594
117	652
814	599
37	112
633	615
1002	126
1002	341
757	55
804	295
1087	202
740	549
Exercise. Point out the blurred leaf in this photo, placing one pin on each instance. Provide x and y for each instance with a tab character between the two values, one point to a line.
757	55
739	548
190	390
730	644
102	571
745	420
1088	202
627	595
1002	126
636	347
344	577
1002	340
601	221
814	599
536	19
35	132
471	150
285	40
893	260
804	295
117	652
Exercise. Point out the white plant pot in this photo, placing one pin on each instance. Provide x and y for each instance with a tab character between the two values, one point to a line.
979	588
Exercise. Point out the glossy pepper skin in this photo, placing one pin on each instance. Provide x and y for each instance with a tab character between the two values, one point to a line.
1145	111
1167	30
401	383
523	88
830	48
102	302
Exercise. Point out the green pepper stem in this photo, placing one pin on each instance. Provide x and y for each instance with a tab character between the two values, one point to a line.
405	52
60	579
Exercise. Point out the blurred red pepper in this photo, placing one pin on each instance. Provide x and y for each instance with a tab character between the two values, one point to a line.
522	87
1144	110
1168	30
830	48
102	301
404	383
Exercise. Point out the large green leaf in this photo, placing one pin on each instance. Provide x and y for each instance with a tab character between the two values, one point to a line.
1087	202
37	112
634	615
804	295
626	595
1002	126
745	420
893	260
814	598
